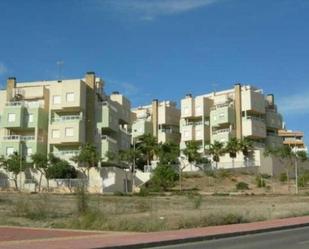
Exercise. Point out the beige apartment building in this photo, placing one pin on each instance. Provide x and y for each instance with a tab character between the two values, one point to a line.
60	116
161	119
294	139
241	112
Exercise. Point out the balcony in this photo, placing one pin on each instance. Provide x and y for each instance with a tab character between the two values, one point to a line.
273	141
66	154
253	127
222	135
187	107
108	144
253	100
222	114
202	132
188	133
108	117
67	130
13	115
273	120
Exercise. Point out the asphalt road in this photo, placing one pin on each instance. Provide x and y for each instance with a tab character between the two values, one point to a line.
286	239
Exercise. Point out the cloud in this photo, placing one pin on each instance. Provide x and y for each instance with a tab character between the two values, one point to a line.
295	104
3	69
149	10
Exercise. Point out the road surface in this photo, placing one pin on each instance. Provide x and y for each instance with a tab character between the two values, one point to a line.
286	239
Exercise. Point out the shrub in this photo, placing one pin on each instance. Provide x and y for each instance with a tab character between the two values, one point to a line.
164	177
61	170
260	182
242	186
223	173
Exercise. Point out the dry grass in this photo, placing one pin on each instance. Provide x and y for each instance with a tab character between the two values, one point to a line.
127	213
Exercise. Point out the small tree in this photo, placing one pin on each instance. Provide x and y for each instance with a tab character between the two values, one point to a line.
87	158
61	170
40	163
216	150
168	153
164	177
192	155
246	146
15	164
232	147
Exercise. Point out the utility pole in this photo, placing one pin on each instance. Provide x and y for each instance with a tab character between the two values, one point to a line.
296	175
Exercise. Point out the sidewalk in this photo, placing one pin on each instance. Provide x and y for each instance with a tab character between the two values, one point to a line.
64	239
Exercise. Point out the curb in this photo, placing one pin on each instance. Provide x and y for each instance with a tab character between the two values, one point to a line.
203	238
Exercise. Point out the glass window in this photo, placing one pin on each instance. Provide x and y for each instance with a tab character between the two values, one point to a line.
69	132
30	118
55	133
9	151
56	99
70	97
11	117
29	151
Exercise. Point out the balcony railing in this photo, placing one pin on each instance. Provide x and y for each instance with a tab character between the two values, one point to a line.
21	138
124	131
24	104
106	103
218	106
220	131
108	138
67	118
255	118
66	153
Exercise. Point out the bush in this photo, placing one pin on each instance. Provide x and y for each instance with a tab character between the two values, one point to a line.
283	177
242	186
223	173
260	182
164	177
61	170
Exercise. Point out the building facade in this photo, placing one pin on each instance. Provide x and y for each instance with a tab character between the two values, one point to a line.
241	112
59	116
160	119
294	139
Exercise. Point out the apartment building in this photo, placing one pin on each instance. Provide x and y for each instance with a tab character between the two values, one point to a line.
60	116
161	119
294	139
241	112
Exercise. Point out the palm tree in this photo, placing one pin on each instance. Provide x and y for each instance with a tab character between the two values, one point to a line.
246	146
216	150
232	147
148	146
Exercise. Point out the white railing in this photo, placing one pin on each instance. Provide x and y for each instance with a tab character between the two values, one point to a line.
220	131
21	138
218	106
67	118
105	137
24	103
124	131
66	153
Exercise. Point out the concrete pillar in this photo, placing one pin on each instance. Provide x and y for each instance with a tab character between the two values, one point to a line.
11	84
238	111
155	117
90	79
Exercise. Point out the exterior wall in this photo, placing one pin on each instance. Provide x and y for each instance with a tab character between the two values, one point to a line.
162	123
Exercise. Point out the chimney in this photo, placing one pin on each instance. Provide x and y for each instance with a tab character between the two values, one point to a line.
155	117
238	111
90	79
10	85
270	98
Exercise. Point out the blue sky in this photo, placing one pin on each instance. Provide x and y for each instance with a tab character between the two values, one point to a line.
164	48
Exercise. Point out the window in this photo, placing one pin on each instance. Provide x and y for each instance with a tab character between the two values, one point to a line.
29	151
11	117
30	118
69	132
221	115
56	99
70	97
55	133
9	151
